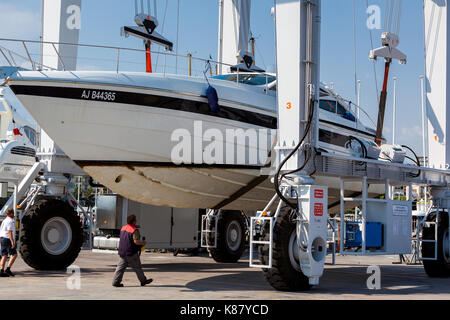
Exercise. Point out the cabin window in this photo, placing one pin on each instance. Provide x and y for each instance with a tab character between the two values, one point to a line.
328	105
341	110
30	134
345	114
251	79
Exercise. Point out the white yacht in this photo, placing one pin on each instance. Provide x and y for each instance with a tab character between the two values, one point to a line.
123	128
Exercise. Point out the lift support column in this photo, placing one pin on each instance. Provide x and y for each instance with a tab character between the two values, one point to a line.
437	83
298	56
298	66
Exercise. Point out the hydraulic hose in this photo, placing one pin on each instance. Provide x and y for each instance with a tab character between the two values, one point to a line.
417	160
277	175
363	147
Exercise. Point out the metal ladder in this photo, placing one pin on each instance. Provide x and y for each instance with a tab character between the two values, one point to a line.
206	232
259	222
427	224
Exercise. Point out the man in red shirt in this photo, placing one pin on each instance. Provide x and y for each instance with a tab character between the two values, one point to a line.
129	247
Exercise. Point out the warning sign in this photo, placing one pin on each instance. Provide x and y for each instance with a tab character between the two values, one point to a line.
318	194
318	209
400	210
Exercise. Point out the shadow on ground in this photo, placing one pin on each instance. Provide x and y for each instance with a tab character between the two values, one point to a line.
348	279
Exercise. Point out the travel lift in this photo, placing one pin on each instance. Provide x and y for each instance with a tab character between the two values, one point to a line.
145	30
292	240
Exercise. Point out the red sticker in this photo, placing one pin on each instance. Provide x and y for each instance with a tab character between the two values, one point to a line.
318	209
318	194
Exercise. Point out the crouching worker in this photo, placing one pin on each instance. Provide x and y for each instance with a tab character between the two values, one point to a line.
8	243
129	247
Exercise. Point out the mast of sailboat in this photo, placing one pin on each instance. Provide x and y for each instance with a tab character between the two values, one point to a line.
233	32
252	43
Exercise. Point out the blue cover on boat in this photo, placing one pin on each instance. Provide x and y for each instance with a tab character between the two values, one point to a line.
213	99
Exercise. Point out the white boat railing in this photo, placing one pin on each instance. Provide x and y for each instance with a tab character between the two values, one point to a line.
28	54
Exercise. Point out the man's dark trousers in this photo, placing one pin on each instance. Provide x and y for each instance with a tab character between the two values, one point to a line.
134	262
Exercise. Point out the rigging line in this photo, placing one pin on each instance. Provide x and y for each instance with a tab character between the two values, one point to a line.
162	32
395	22
135	7
385	14
391	8
155	9
148	8
399	16
354	48
178	31
392	14
373	62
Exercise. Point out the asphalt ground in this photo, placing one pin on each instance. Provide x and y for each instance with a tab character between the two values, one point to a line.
200	277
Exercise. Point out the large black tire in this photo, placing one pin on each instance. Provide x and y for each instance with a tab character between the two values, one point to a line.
439	268
41	246
231	234
283	275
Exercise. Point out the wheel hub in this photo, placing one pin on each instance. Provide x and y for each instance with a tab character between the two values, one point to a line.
53	235
56	235
234	235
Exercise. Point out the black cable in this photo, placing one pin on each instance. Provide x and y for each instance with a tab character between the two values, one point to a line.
386	159
277	175
307	158
363	146
409	158
314	162
306	155
417	161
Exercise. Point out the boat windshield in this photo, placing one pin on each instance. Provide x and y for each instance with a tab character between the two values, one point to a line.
335	107
253	79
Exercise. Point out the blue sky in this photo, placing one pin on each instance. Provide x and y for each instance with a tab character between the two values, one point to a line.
102	19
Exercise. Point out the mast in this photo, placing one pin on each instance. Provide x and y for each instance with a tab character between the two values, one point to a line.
234	31
220	35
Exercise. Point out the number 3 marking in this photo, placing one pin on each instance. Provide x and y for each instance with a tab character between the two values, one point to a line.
288	105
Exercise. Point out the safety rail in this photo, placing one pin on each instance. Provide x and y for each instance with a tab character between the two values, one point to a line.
118	62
